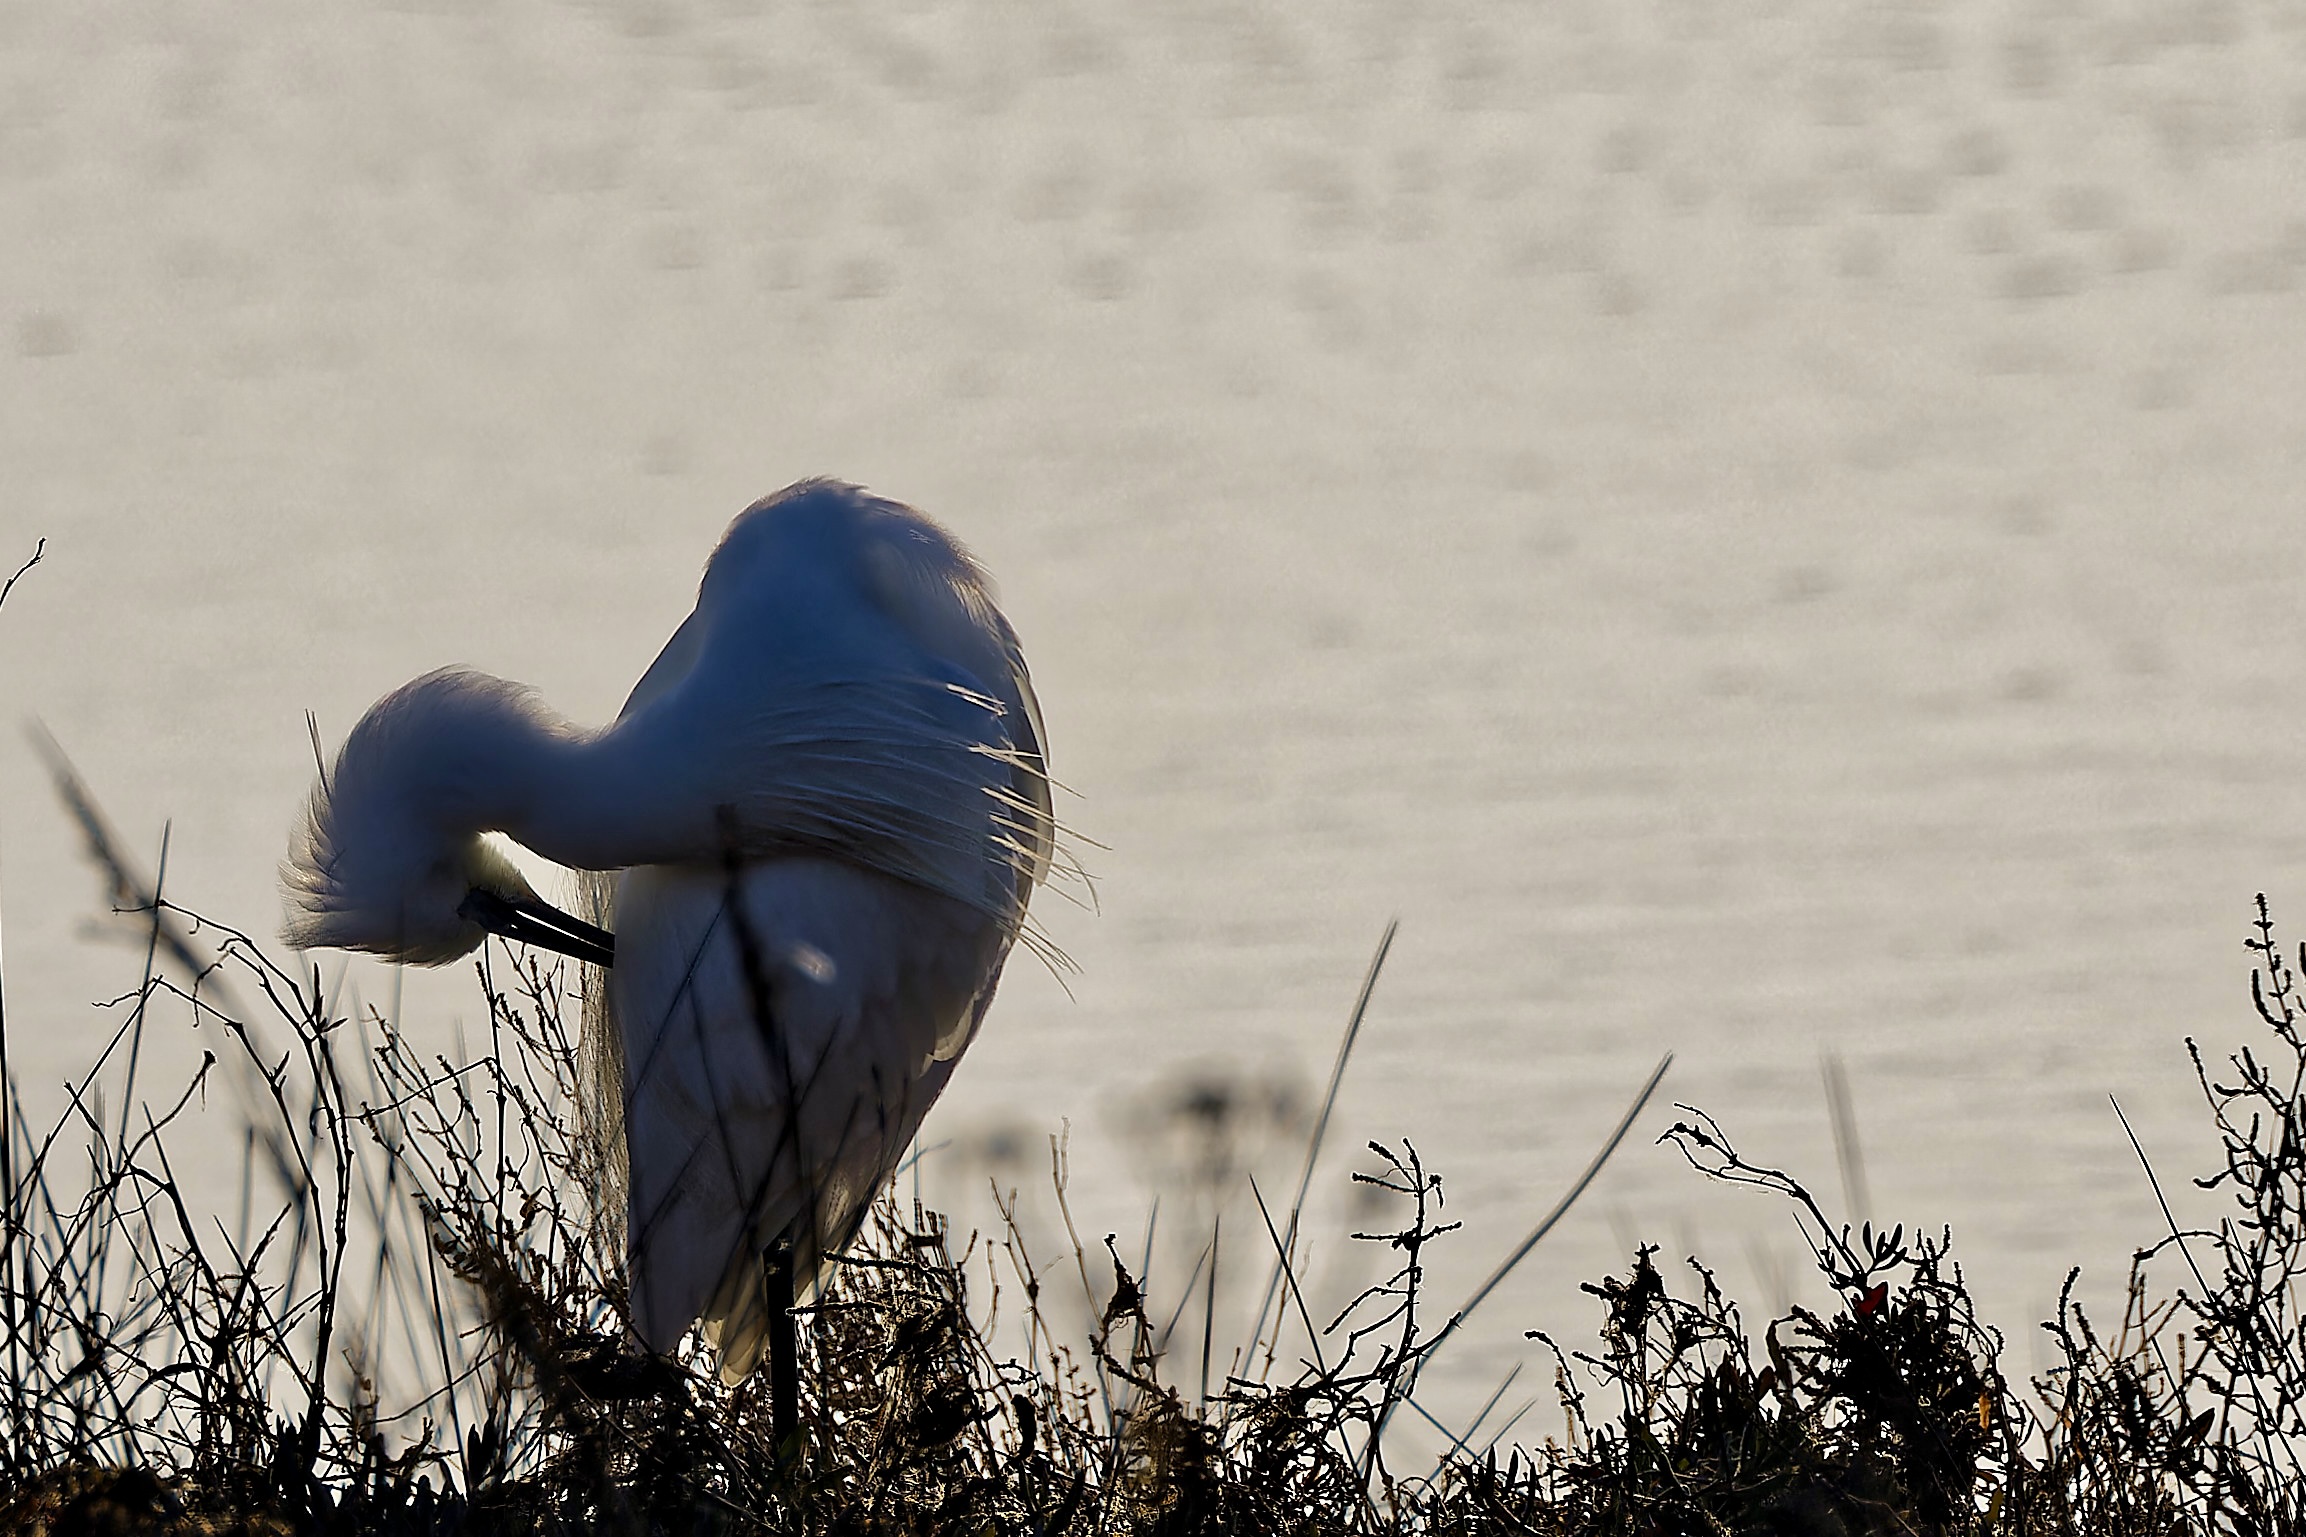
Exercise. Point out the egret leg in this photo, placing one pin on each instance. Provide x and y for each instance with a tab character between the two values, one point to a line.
784	1348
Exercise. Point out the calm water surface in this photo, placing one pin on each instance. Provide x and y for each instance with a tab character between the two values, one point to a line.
1752	539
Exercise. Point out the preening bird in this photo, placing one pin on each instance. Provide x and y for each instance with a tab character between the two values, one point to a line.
827	806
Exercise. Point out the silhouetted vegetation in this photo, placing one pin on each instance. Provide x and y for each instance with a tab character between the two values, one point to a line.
422	1332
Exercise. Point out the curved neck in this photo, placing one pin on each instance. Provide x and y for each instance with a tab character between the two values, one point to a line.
898	778
464	752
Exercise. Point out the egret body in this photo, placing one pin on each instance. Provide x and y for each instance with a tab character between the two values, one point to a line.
826	806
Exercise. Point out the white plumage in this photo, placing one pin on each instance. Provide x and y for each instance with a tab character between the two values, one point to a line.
842	734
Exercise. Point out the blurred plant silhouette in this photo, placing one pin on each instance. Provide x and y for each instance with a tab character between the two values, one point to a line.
423	1332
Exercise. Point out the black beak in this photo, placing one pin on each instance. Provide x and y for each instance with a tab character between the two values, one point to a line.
533	922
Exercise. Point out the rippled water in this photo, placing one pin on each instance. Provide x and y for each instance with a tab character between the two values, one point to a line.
1753	538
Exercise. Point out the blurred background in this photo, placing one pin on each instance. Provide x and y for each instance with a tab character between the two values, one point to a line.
1760	533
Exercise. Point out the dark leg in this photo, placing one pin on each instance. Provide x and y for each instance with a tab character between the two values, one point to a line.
784	1349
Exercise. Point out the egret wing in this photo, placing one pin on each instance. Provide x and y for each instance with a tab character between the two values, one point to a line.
777	1065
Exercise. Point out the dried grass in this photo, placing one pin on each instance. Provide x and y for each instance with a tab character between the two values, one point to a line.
423	1332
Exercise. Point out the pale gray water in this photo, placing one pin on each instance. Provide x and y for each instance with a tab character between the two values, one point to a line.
1752	536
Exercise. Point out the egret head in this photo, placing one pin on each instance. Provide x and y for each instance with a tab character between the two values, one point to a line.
389	854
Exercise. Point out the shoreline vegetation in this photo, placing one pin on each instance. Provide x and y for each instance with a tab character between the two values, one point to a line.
418	1330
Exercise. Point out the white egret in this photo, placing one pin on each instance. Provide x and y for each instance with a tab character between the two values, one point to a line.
828	802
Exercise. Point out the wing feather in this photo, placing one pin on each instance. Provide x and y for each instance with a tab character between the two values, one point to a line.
742	1130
